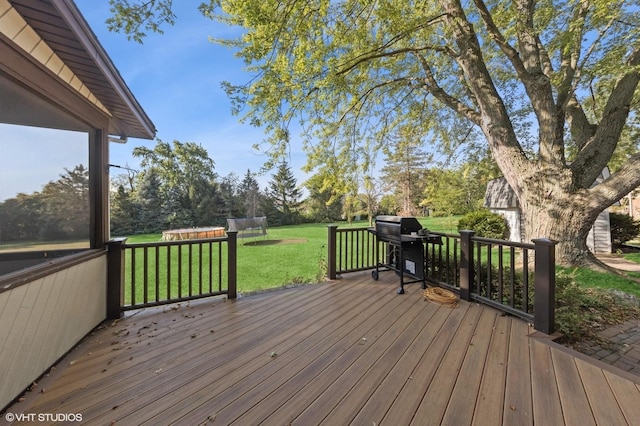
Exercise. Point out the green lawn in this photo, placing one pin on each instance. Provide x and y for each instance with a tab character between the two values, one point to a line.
291	254
286	255
592	279
298	254
633	257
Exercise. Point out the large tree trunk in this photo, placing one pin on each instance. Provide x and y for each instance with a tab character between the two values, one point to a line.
550	210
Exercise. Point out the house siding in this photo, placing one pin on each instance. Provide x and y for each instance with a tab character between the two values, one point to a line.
42	320
599	238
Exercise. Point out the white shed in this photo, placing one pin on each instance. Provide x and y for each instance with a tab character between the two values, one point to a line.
500	198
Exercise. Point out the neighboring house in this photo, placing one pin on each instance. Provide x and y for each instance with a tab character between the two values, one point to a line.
54	74
500	198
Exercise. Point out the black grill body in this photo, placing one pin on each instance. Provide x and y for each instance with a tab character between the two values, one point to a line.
405	249
397	228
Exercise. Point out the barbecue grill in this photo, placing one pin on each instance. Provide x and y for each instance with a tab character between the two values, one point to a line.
404	238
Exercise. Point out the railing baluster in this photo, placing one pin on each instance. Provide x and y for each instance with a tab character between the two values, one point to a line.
210	266
168	272
145	278
456	262
200	288
525	280
219	266
489	271
500	273
512	281
478	268
180	272
133	276
157	255
190	270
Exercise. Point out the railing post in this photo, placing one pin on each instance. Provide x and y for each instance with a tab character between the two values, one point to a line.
232	266
115	277
544	305
331	252
466	265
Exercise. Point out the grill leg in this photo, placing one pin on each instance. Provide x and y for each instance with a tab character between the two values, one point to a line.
401	269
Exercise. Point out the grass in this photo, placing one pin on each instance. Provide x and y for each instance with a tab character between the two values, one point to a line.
291	254
286	255
633	257
588	278
298	254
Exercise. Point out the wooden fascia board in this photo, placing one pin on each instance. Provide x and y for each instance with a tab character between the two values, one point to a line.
87	38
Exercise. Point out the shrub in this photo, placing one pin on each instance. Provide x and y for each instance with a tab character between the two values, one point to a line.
485	224
582	312
623	228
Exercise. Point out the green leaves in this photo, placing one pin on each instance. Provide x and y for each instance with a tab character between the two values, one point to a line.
135	17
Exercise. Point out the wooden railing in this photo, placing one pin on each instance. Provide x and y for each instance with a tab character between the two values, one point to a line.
514	277
352	250
151	274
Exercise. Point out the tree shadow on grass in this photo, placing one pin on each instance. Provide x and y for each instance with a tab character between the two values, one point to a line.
276	242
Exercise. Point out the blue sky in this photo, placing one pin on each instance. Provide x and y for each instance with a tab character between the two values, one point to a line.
176	78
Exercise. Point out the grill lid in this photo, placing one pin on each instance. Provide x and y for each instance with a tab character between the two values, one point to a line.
394	227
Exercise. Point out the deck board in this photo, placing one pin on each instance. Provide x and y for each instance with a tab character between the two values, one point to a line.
627	395
547	409
403	409
601	399
575	404
401	373
346	352
489	403
438	393
467	387
518	404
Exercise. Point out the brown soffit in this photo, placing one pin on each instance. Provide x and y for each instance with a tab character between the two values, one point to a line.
63	28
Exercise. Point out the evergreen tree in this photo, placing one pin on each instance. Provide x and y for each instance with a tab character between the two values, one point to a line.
404	171
283	195
151	215
66	205
123	213
250	195
229	203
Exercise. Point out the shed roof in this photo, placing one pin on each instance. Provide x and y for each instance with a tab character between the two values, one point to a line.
62	27
499	195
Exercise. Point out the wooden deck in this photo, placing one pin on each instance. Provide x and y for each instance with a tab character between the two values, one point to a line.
348	352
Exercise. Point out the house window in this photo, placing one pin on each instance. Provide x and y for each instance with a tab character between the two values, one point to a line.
44	192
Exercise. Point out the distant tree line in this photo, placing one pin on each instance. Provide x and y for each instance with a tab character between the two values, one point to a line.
177	187
59	211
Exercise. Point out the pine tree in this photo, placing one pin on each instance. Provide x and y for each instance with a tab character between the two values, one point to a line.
151	215
249	192
123	213
284	195
404	172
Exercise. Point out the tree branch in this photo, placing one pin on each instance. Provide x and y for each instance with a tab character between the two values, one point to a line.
495	34
581	129
625	180
595	154
494	120
432	87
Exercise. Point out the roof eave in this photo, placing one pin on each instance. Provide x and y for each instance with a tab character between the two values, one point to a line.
145	128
